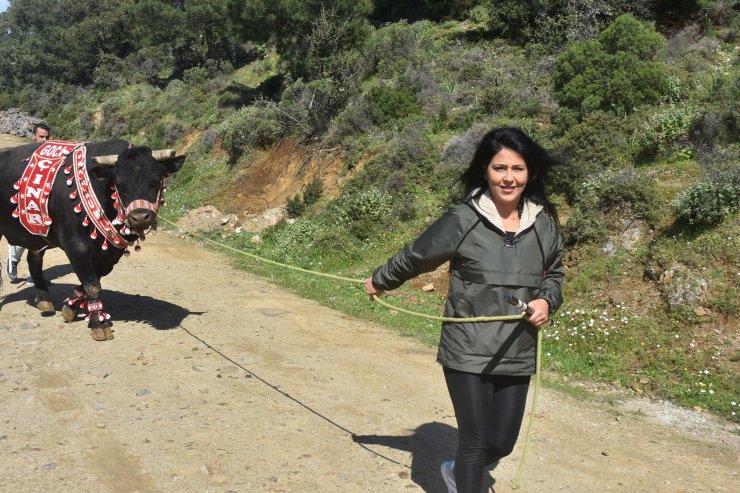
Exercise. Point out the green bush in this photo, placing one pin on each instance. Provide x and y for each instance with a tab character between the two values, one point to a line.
606	202
294	206
615	73
597	143
313	192
711	200
307	109
252	126
661	134
389	104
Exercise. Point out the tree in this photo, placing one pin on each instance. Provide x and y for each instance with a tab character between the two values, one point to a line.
306	33
615	73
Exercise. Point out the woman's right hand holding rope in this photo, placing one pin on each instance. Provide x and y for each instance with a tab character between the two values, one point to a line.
371	290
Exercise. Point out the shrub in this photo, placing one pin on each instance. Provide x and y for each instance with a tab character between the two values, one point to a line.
286	237
711	200
313	192
308	108
662	133
295	207
606	201
388	104
252	126
614	73
589	147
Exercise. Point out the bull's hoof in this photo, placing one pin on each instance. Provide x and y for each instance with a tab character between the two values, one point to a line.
46	308
69	314
108	333
99	334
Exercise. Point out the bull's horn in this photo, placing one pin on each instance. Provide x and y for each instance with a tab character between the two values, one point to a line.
105	160
161	154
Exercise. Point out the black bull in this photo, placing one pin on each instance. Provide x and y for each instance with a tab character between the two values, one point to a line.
137	174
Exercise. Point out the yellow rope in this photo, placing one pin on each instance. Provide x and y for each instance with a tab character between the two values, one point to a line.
347	279
516	482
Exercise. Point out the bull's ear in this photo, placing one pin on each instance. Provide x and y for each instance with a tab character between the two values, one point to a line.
173	164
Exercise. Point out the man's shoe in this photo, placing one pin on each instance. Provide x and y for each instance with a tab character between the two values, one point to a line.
448	474
12	268
29	281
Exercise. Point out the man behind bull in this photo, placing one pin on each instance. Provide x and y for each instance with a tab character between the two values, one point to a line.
41	133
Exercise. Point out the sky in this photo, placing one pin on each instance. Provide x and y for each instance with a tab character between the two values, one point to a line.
3	5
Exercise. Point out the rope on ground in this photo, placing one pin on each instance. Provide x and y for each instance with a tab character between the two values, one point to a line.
516	482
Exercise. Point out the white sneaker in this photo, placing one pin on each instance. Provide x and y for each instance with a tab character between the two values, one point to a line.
448	474
12	268
29	281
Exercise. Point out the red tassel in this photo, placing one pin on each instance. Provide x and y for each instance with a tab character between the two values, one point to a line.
137	248
67	170
105	245
15	213
69	182
114	196
14	199
78	209
73	195
47	221
85	221
94	234
17	185
126	252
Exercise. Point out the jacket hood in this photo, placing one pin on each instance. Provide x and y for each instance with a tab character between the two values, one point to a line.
485	206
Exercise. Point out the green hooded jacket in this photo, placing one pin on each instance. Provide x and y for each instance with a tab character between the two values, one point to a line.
485	265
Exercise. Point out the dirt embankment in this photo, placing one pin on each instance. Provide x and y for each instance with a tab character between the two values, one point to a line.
219	381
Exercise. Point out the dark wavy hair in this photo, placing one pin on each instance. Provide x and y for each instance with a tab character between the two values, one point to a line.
537	159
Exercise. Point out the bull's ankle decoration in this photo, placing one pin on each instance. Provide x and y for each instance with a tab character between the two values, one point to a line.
95	310
77	300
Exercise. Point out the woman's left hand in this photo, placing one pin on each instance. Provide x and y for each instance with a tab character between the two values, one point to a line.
541	312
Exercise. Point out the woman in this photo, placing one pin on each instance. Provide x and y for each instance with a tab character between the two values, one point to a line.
504	238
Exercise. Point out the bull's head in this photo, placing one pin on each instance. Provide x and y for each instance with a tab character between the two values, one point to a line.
138	176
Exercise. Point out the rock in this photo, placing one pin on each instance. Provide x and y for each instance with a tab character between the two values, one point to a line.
206	469
4	327
16	122
201	220
609	249
256	239
631	235
28	325
100	426
428	287
143	393
680	287
702	312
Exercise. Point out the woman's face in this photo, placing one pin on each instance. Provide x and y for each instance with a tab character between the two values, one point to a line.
507	175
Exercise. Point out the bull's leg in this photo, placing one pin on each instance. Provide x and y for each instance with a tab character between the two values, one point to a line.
35	267
97	320
74	304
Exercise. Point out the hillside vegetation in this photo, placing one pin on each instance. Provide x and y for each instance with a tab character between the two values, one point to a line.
639	99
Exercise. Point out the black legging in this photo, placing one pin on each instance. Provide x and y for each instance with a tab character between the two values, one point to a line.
489	411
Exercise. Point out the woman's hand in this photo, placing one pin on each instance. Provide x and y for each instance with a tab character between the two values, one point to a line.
541	312
371	290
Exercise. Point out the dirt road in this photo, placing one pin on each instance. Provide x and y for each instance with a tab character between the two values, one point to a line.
218	381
